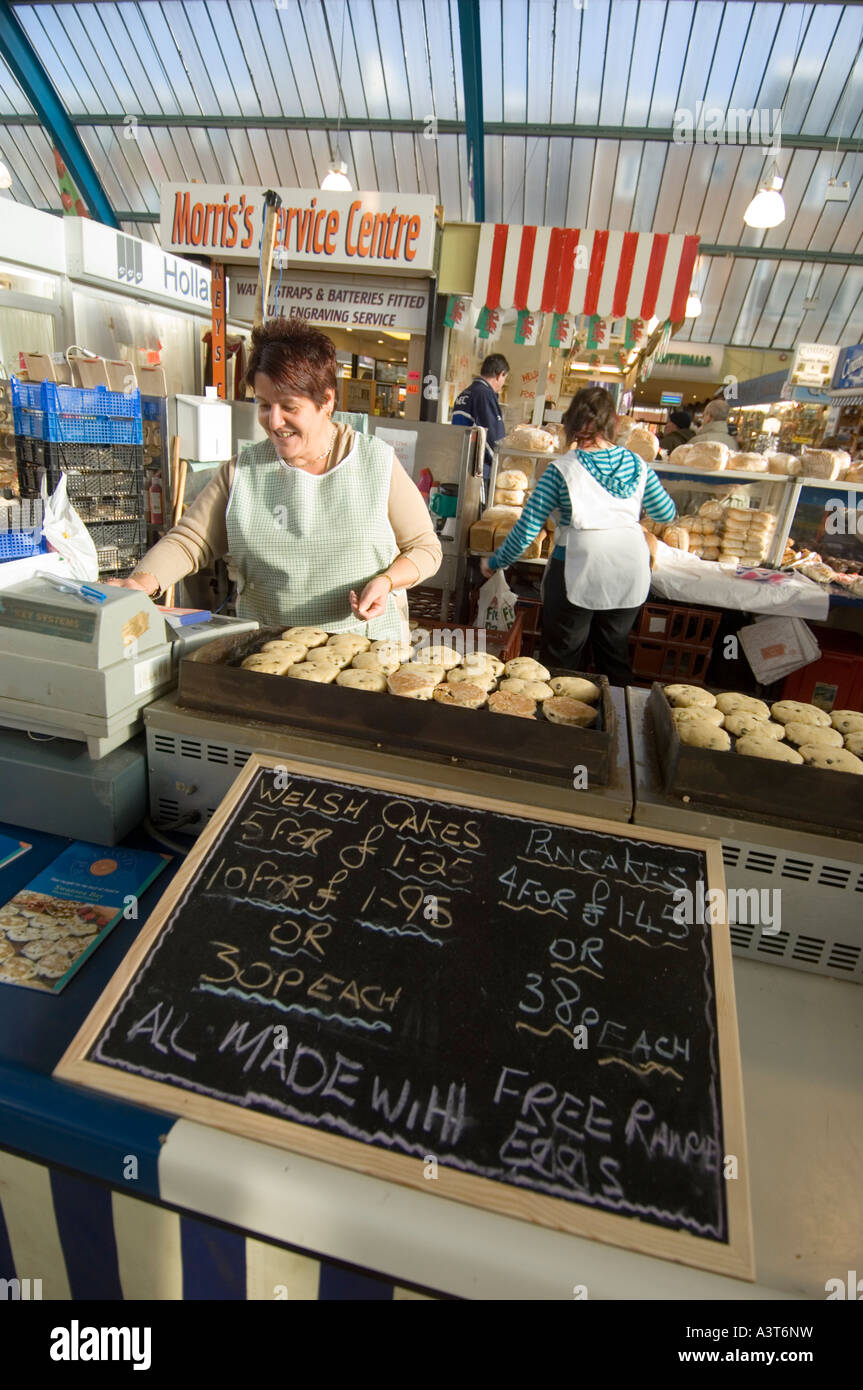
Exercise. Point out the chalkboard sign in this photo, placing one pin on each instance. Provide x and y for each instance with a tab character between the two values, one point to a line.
421	986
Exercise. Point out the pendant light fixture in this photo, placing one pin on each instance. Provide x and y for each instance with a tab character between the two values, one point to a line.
336	179
693	299
767	208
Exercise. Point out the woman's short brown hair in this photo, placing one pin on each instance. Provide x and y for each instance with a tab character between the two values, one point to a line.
590	413
299	359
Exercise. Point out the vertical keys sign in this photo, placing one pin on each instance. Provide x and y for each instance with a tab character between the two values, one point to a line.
218	332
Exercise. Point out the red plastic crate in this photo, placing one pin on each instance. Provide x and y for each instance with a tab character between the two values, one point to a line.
664	662
664	622
835	680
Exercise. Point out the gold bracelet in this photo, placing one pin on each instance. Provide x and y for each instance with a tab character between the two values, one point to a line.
390	578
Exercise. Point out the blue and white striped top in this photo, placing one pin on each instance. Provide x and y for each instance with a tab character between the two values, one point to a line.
618	470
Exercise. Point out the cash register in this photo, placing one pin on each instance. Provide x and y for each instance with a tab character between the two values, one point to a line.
78	664
81	661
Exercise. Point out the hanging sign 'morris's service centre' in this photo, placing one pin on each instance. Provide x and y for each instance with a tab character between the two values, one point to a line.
352	230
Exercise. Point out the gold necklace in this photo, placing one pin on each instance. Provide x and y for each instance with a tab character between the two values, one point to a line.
329	448
323	455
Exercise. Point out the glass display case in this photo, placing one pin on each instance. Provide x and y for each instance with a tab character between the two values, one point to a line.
752	491
828	517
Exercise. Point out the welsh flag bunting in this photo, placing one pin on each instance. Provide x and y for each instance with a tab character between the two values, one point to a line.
597	332
488	325
561	330
528	328
456	310
635	333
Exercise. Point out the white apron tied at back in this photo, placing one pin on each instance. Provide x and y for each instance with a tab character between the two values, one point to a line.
299	541
607	561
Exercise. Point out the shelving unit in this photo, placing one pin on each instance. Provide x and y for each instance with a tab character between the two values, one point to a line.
94	437
776	492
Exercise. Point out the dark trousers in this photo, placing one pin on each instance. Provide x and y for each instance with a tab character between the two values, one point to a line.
566	629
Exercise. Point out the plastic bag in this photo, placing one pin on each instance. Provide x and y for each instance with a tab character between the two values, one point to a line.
66	533
496	607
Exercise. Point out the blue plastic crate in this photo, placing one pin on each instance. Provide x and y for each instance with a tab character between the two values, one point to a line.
77	429
20	545
151	407
92	400
75	400
26	394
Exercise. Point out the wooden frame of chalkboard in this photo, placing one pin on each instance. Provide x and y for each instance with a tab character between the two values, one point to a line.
676	1132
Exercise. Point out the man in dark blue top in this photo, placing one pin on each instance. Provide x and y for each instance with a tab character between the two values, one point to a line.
478	405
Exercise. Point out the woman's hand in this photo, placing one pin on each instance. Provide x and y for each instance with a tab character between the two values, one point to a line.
372	602
485	569
130	583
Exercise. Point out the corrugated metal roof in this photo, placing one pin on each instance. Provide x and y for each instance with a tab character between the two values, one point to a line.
579	103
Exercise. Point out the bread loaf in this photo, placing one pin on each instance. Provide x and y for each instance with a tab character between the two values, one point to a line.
534	550
509	497
482	536
787	465
711	455
825	463
644	443
712	509
749	463
529	437
501	531
512	479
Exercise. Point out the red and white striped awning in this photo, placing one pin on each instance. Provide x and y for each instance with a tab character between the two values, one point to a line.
614	274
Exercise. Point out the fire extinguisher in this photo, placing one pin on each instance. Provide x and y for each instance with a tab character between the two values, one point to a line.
155	513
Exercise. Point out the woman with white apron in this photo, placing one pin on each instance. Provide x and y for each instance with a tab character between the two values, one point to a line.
320	525
599	573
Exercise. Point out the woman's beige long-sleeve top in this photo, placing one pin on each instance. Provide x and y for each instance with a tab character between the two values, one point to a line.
201	535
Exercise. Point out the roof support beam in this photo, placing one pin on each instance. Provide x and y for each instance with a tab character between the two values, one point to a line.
653	134
749	253
24	62
471	67
781	253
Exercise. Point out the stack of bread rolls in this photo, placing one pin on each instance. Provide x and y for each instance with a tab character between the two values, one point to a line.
746	535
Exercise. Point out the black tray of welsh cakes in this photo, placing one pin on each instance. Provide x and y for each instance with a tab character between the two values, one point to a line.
811	797
212	678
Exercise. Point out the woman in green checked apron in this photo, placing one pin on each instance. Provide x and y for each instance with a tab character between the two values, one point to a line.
321	526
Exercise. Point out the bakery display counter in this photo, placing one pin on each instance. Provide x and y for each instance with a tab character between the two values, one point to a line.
194	755
815	865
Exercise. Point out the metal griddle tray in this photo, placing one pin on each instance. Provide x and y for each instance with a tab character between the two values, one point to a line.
213	679
812	798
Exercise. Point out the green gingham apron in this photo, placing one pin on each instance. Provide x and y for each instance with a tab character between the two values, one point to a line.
299	542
